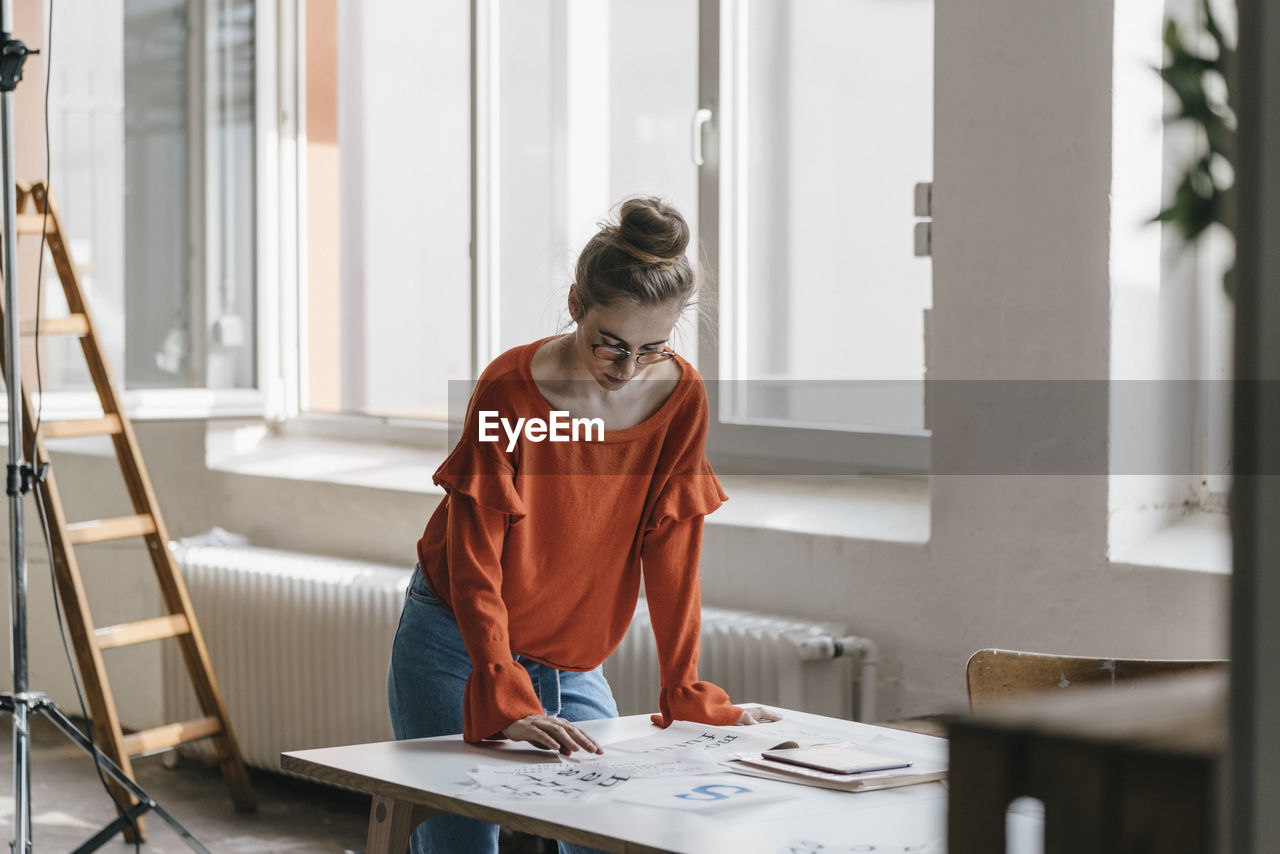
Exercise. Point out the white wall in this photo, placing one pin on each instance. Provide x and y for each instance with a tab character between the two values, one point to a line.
1021	248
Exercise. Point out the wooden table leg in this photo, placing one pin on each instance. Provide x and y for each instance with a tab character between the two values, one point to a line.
1078	785
392	822
979	790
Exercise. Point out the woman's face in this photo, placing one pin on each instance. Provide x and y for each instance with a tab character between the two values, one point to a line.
640	329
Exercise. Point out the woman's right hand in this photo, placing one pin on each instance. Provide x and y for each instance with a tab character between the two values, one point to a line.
551	734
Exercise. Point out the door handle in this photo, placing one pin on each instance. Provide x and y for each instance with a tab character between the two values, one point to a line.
701	119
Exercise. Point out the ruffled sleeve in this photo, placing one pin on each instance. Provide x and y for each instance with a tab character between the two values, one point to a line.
480	478
670	552
684	496
497	694
486	478
484	470
687	486
499	690
672	587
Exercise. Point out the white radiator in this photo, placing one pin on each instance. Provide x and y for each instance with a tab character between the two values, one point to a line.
755	657
300	646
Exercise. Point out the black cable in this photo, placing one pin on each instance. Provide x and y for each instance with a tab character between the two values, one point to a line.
35	438
44	222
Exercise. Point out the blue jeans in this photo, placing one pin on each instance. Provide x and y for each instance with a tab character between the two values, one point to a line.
425	682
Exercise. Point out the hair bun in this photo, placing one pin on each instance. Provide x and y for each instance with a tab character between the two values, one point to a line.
651	231
639	259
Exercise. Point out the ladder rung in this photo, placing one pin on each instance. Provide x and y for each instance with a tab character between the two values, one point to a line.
101	530
71	324
108	425
31	223
170	735
124	634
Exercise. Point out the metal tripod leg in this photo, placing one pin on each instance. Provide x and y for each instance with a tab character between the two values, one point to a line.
42	704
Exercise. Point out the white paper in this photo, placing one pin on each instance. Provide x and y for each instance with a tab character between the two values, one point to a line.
711	742
708	797
579	780
667	764
549	781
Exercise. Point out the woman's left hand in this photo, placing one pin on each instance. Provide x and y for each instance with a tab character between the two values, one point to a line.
757	715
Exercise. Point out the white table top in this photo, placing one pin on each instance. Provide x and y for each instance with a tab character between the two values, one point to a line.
907	819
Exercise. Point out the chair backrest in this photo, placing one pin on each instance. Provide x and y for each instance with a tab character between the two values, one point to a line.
994	675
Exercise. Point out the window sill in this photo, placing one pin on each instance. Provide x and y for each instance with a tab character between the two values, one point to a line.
1200	541
165	404
890	509
254	450
869	508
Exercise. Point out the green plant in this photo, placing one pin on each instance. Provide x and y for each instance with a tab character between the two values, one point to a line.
1199	82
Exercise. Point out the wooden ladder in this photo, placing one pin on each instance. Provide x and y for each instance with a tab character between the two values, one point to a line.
180	620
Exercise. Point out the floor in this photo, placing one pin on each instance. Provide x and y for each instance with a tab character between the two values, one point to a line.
69	805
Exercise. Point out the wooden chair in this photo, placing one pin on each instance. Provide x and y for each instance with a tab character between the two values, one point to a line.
995	675
1122	763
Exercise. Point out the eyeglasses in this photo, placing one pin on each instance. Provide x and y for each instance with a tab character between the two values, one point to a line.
613	353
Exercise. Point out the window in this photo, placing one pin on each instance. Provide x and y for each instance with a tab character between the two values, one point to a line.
1171	321
803	204
154	132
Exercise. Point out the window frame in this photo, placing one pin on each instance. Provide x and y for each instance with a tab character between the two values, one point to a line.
485	234
276	220
282	215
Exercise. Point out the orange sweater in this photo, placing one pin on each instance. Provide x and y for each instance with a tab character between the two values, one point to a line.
539	550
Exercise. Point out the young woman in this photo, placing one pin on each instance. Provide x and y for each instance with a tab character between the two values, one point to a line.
529	569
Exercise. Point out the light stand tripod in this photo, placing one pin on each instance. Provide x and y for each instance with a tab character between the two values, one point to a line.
21	478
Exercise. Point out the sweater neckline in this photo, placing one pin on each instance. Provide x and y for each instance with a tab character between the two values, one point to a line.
663	415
